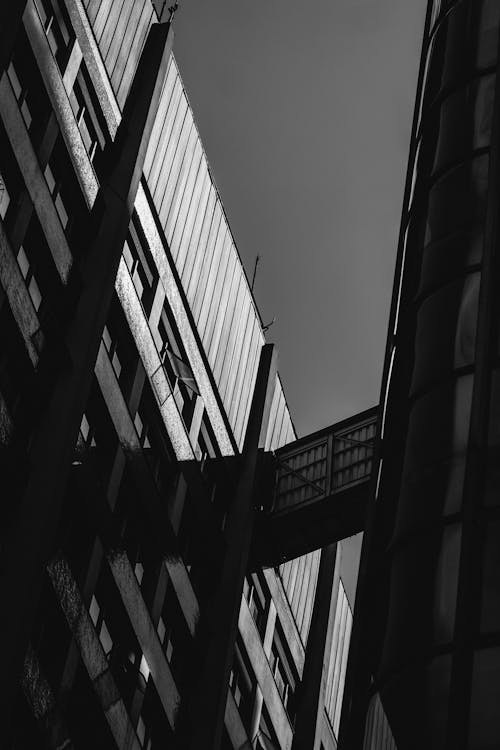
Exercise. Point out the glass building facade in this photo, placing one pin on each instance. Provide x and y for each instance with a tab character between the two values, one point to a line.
427	665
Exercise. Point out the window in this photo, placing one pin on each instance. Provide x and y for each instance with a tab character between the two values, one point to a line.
111	347
101	628
86	115
4	198
21	95
280	662
31	282
12	188
175	639
266	737
143	734
57	27
67	195
140	264
155	442
55	190
257	602
241	685
28	87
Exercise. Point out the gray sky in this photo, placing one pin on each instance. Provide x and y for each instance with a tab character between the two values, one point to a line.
304	109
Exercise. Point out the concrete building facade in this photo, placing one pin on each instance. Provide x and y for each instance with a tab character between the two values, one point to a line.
137	394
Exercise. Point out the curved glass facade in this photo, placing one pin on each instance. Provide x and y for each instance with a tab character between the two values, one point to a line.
434	644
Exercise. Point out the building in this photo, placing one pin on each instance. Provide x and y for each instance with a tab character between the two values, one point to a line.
138	400
426	668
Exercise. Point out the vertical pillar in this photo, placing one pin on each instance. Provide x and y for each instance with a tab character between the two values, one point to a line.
32	534
209	702
319	644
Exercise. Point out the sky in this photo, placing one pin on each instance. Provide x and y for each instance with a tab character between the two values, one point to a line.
304	110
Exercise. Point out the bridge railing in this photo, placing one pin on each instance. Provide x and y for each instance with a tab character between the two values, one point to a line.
326	462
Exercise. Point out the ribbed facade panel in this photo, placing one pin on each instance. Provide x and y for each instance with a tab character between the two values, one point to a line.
300	577
378	735
120	29
206	257
338	658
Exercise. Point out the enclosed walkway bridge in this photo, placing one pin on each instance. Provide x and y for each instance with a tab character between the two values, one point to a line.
314	491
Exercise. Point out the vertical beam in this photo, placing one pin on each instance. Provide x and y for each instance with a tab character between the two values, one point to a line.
308	724
209	702
33	531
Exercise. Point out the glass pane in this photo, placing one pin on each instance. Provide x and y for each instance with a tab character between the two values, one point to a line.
453	131
444	260
488	33
484	727
446	331
457	39
427	496
416	702
439	426
484	97
490	601
457	199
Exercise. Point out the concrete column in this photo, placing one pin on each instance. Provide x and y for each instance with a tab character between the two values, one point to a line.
209	702
312	689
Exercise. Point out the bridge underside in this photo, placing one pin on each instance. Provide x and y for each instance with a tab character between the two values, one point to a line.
318	491
284	536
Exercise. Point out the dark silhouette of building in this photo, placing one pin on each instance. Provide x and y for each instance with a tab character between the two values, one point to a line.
157	563
425	667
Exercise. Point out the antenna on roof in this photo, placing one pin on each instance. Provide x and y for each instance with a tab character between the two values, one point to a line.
268	326
173	10
254	272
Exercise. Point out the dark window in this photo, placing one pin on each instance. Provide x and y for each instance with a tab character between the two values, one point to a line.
29	88
12	184
117	637
15	366
140	263
241	684
87	114
57	28
281	663
177	368
257	602
176	640
155	443
66	193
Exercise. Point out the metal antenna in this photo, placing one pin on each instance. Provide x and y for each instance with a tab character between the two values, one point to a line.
172	10
268	326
